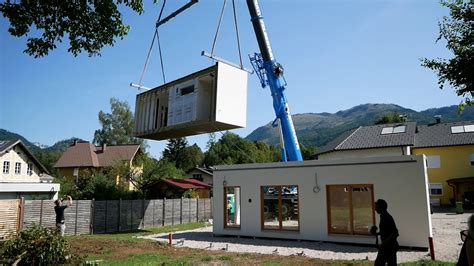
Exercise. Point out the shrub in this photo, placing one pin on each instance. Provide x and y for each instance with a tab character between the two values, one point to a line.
38	245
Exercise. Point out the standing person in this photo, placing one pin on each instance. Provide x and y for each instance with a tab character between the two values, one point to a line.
466	257
59	209
388	235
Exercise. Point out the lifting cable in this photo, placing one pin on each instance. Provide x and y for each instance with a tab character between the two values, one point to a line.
216	36
155	36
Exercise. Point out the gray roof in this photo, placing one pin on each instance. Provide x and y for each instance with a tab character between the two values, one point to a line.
437	135
417	136
5	144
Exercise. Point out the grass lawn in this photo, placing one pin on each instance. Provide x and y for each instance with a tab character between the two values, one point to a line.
126	249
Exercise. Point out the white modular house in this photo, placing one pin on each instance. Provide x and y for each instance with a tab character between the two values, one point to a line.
330	200
212	99
22	174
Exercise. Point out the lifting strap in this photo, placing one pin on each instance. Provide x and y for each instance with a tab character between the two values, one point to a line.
216	36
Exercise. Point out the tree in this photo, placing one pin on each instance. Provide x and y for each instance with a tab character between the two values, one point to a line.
390	118
458	31
150	171
232	149
117	126
183	156
89	25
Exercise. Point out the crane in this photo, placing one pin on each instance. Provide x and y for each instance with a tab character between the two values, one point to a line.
270	73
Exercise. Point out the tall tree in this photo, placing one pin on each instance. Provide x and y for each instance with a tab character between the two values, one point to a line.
117	126
458	32
89	25
182	155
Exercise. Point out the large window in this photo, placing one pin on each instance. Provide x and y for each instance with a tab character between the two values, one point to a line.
350	209
280	207
6	167
436	189
232	207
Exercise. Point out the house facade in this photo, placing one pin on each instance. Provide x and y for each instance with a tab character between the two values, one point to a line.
84	158
23	175
202	174
448	147
323	200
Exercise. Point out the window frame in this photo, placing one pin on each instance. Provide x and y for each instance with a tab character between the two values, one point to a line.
280	216
434	157
19	168
29	169
351	211
225	207
436	195
6	165
471	159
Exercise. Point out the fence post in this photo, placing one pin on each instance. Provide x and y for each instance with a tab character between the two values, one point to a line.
164	213
143	213
20	214
131	215
189	210
153	213
197	210
41	212
75	222
172	212
211	210
119	212
181	211
105	217
92	216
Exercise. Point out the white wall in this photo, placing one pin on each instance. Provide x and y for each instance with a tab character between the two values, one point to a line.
392	151
17	154
400	180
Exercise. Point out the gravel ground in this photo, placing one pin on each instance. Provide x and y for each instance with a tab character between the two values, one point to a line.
446	227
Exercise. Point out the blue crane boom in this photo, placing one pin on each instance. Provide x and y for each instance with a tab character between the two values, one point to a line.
270	73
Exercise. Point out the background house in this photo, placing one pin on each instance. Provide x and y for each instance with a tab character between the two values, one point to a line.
201	174
175	188
23	175
84	158
448	147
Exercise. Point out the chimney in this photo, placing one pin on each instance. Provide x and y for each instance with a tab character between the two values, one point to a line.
438	119
75	142
104	146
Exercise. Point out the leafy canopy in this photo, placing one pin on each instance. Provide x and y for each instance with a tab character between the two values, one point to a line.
89	25
458	32
117	126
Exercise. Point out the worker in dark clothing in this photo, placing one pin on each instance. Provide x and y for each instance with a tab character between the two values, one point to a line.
59	210
388	234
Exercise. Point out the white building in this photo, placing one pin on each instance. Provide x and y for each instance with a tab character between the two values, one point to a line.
323	200
22	174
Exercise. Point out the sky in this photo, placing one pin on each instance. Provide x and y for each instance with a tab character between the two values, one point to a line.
336	53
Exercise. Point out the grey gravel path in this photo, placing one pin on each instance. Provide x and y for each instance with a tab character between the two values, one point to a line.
447	242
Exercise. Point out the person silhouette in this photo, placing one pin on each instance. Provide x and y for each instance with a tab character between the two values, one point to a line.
388	235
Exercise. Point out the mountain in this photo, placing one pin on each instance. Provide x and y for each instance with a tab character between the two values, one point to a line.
58	147
317	129
7	135
61	146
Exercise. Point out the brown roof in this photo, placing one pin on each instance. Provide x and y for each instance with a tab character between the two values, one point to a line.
84	154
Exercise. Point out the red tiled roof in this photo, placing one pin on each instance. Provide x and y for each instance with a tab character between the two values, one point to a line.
84	154
187	183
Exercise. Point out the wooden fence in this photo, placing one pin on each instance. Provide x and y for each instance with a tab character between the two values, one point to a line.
10	217
90	216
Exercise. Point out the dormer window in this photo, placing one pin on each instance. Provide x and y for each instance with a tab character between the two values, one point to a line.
462	129
394	130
